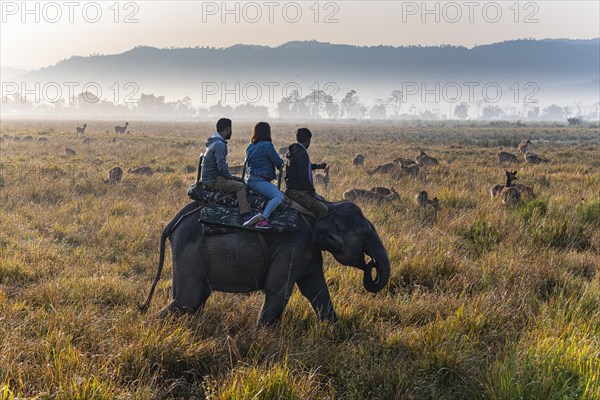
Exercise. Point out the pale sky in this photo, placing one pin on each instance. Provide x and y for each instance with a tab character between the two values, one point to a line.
67	28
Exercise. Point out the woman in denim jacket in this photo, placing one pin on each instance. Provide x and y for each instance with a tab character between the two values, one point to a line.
262	160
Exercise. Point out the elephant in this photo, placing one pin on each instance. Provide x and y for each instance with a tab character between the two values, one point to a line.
247	261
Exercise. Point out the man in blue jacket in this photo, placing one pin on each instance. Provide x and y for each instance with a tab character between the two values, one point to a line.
215	172
299	175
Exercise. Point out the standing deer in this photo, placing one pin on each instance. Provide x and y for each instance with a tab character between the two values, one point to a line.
523	146
323	179
81	131
121	129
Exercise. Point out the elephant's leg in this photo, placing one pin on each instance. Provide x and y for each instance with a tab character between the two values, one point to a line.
191	304
314	288
191	288
278	290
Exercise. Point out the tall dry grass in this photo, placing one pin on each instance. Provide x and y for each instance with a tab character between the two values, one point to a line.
484	301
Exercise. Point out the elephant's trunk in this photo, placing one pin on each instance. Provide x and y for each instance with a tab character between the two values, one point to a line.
381	263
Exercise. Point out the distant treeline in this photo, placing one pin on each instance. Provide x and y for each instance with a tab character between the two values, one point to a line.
315	105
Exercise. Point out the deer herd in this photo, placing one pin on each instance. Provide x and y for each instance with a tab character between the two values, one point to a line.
509	193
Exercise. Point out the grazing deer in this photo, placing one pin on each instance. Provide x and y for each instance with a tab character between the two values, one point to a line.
70	152
425	160
381	190
323	179
358	161
384	168
422	199
27	138
81	131
121	129
141	171
408	166
504	156
42	139
510	195
523	146
531	158
114	175
367	195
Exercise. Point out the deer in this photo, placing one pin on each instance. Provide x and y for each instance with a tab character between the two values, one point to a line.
81	131
510	195
367	195
408	166
121	129
425	160
504	156
70	152
496	189
381	190
525	191
323	179
531	158
422	199
523	146
141	171
114	175
358	161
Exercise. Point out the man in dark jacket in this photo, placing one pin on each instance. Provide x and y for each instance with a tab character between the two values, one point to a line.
215	172
299	178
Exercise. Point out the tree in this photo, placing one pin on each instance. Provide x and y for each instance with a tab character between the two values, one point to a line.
396	100
575	120
332	108
218	110
461	111
554	112
348	103
378	111
534	113
491	112
284	107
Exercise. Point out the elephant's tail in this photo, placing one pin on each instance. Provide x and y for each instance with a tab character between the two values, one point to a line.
163	240
166	233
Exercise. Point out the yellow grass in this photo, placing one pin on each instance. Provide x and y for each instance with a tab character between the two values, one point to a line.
484	301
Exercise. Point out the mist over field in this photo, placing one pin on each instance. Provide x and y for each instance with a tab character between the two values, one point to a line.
513	80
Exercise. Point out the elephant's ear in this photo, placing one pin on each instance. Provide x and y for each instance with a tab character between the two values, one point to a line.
327	235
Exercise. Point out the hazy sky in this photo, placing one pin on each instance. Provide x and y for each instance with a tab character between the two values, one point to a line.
48	31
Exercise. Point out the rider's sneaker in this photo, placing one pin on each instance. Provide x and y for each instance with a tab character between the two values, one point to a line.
250	219
264	224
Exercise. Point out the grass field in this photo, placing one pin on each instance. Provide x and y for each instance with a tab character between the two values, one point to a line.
484	301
